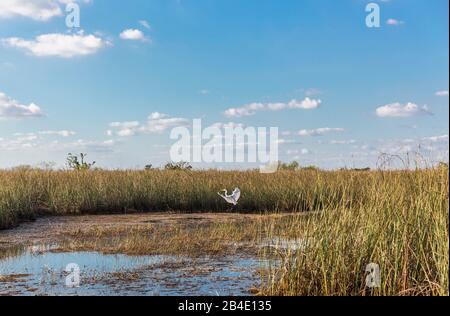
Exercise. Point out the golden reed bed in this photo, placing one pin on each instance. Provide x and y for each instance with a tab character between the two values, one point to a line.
397	219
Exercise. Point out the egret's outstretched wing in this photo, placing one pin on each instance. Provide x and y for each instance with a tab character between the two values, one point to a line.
236	194
229	199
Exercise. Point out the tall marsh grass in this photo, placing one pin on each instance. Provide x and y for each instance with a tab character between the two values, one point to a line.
401	224
27	193
396	219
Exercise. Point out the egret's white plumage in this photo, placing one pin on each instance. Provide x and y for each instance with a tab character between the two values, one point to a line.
231	198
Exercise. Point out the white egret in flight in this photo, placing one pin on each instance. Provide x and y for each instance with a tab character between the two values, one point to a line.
231	198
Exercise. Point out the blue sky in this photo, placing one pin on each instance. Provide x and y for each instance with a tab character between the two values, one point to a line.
92	89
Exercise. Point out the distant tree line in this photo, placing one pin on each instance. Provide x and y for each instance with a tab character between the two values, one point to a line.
79	163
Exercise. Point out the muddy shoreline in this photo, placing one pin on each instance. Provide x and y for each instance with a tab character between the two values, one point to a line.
49	228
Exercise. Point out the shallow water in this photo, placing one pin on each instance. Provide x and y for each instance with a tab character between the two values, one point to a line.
39	271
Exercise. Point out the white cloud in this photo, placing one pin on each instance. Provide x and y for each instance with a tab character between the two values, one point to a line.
6	145
21	141
133	35
156	123
39	10
343	142
58	45
10	108
72	1
437	139
26	137
429	148
394	22
306	104
93	146
282	141
247	110
125	128
401	110
63	133
252	108
38	142
319	131
303	151
89	146
442	93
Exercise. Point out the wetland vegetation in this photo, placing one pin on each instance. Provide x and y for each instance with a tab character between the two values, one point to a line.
329	225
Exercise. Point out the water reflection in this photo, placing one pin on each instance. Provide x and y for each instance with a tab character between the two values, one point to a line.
37	270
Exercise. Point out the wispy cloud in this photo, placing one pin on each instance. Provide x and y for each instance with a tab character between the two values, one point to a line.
156	123
432	147
10	108
437	139
310	92
145	24
38	141
124	129
63	133
394	22
442	93
89	145
320	131
251	109
343	142
303	151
